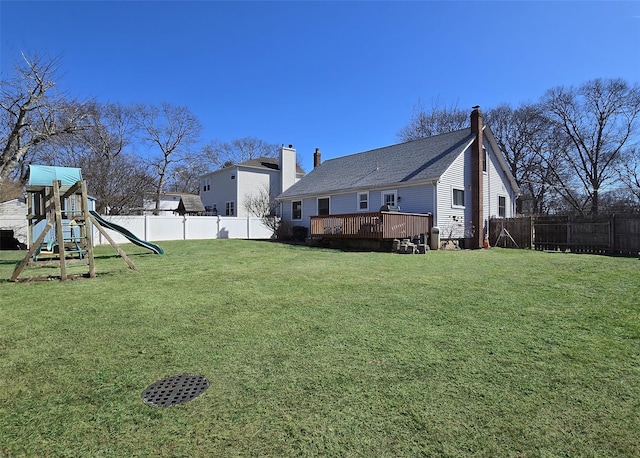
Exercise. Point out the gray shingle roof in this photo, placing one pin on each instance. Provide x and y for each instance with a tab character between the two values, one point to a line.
418	160
190	203
266	163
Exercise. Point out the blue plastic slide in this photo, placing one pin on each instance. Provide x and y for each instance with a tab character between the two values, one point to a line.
132	238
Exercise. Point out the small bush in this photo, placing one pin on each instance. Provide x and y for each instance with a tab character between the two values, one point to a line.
283	231
299	233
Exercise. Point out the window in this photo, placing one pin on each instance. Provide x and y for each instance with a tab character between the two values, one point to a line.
458	198
230	209
323	206
296	209
502	206
233	177
207	184
389	198
484	159
363	201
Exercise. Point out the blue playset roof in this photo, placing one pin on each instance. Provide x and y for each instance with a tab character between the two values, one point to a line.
45	175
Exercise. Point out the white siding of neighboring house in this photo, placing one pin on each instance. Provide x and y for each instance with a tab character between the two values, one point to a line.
224	189
167	202
252	182
13	216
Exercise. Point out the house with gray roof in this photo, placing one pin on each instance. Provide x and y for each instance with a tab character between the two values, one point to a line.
226	191
461	178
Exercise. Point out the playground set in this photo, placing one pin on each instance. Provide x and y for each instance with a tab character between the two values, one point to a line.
57	198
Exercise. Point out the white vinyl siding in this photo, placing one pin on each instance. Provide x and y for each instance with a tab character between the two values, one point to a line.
495	187
223	190
455	221
252	183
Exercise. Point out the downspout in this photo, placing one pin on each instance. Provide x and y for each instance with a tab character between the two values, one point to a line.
435	202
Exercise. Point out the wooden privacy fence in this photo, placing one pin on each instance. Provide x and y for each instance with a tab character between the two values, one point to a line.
609	234
372	225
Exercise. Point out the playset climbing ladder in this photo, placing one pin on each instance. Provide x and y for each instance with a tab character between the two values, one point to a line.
58	196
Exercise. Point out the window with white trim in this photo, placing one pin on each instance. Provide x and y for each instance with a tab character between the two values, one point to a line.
296	209
323	205
457	198
363	201
389	198
502	206
484	159
230	209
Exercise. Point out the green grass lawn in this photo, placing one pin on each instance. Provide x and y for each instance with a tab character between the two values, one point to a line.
316	352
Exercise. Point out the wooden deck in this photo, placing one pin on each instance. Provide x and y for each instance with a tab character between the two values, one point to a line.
372	225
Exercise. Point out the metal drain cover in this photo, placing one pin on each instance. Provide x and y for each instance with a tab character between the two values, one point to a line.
175	390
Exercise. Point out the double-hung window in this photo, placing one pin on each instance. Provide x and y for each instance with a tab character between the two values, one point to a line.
230	209
363	201
502	206
323	206
296	209
457	198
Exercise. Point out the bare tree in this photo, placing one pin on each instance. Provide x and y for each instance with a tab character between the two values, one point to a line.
173	132
629	172
240	150
264	206
593	124
10	190
102	149
33	112
523	137
127	180
439	120
186	175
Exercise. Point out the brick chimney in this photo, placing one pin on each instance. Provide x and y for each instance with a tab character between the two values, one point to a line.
477	158
317	158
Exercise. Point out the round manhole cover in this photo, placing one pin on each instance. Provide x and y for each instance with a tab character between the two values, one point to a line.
175	390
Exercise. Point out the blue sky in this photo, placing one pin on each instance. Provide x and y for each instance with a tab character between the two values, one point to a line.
340	76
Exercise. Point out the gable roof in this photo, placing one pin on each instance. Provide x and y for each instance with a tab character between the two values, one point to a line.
425	159
261	162
190	203
265	163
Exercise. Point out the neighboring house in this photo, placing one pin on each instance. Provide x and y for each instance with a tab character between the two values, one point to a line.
169	201
190	205
13	224
225	191
441	175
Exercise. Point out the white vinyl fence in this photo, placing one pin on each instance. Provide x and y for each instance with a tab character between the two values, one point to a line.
168	227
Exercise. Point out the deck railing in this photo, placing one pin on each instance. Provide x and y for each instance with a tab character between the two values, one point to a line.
372	225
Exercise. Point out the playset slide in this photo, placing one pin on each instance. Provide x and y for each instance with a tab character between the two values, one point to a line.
132	238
